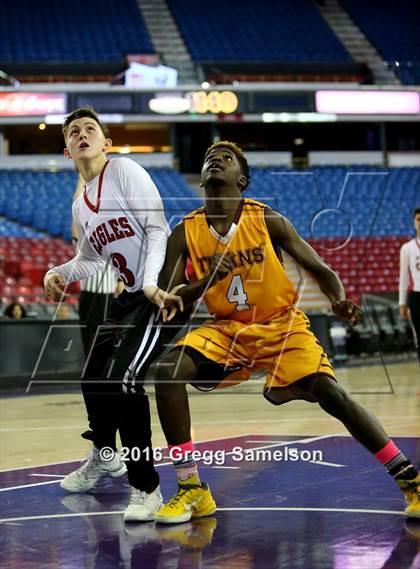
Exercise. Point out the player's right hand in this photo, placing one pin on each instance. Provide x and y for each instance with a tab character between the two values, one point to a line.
404	311
54	284
164	300
347	310
221	265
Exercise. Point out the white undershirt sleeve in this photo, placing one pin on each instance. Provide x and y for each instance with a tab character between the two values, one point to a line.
86	263
404	274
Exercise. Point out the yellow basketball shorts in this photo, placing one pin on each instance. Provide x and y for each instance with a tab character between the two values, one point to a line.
284	347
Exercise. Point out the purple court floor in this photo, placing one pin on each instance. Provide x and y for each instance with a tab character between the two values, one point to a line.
336	508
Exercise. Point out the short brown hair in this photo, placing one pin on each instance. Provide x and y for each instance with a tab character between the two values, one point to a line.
80	113
238	153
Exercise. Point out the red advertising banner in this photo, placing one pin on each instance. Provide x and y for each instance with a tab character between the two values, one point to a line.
24	104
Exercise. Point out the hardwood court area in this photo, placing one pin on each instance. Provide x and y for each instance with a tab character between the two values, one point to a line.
41	429
334	510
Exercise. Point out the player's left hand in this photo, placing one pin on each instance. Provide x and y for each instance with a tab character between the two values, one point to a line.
165	300
347	310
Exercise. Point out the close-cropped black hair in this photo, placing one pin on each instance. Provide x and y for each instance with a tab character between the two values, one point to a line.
416	212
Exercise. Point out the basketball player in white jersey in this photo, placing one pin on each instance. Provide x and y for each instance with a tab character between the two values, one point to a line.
410	267
120	220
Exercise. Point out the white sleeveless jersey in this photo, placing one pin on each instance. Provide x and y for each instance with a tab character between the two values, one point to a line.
120	221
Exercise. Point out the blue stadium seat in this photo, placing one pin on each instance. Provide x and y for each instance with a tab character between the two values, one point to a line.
178	198
393	28
58	31
244	30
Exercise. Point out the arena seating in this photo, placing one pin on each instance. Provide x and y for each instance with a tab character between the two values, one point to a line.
178	197
362	240
25	262
74	31
393	27
41	200
376	204
239	30
365	265
378	201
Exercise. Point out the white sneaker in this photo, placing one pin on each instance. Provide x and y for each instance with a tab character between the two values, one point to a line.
85	477
143	506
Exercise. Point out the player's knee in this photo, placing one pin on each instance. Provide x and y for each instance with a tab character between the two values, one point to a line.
174	369
329	393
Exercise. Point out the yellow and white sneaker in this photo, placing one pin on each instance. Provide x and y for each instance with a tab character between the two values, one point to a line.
411	490
191	501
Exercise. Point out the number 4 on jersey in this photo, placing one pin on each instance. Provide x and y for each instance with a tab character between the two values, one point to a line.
236	293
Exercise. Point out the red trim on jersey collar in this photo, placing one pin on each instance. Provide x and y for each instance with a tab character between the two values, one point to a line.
238	212
95	208
236	217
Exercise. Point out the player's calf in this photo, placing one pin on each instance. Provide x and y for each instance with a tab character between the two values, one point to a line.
172	374
366	428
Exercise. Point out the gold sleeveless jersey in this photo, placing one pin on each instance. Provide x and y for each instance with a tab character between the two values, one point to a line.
258	288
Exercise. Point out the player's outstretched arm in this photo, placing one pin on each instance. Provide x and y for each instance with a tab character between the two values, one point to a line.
283	232
85	264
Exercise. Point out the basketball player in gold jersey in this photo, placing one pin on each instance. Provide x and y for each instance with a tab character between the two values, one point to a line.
234	247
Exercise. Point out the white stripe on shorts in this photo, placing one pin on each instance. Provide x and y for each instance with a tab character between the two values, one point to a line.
138	355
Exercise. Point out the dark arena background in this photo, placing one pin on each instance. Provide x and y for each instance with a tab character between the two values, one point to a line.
324	99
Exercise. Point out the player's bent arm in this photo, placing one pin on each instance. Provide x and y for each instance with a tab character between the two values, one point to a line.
145	204
173	271
281	230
